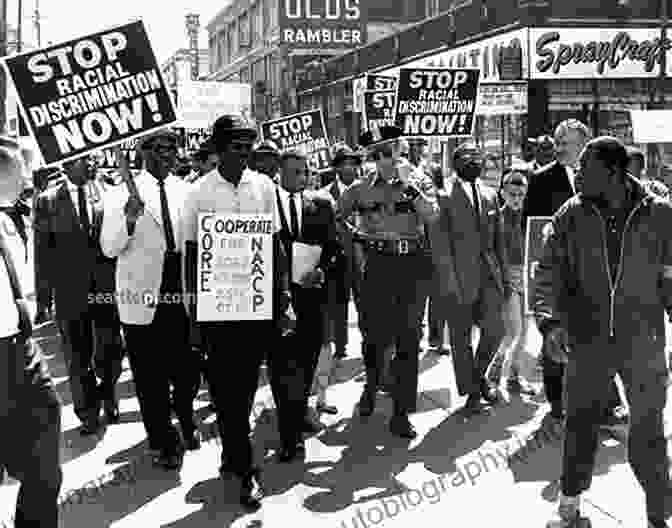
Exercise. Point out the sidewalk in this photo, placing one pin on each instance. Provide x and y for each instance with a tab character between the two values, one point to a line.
356	475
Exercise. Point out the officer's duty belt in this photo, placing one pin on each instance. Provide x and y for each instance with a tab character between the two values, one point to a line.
399	247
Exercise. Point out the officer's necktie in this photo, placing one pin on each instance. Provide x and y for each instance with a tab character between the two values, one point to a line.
83	209
165	217
294	216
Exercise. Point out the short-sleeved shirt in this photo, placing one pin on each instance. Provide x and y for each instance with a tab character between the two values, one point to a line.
383	209
254	194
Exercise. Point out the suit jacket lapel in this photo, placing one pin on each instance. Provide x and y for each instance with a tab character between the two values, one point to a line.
66	207
335	191
281	212
149	192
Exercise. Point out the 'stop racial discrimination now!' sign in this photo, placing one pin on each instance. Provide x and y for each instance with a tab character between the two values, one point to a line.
92	92
437	102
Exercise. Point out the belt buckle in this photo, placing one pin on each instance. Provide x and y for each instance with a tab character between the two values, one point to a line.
402	247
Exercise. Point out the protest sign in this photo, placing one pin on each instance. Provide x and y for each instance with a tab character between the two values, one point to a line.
379	108
92	92
534	249
235	267
304	132
502	99
200	103
380	82
436	102
107	158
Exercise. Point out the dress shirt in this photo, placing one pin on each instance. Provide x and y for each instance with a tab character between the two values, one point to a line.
572	177
284	199
254	194
72	188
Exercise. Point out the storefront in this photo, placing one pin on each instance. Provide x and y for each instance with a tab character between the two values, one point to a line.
534	77
598	75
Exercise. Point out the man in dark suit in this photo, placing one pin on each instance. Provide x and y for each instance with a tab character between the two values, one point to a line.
478	275
306	218
68	221
346	283
549	188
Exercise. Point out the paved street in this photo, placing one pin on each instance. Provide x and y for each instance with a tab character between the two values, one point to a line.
355	470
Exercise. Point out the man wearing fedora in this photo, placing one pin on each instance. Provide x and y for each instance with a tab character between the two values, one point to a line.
394	204
30	408
346	282
265	159
233	367
140	230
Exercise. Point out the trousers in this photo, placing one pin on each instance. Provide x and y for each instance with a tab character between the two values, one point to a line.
30	448
160	356
394	295
645	378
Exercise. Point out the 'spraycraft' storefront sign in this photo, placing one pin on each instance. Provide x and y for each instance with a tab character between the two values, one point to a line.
235	267
92	92
304	132
436	102
599	53
322	24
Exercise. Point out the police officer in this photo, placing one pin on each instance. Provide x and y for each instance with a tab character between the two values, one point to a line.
394	204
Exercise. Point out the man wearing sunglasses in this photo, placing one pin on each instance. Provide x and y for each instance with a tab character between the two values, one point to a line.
140	229
394	205
235	349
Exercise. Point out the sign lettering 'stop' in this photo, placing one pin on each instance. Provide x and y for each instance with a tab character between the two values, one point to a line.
576	53
87	54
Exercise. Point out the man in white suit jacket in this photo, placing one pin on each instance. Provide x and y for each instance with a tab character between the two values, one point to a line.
141	231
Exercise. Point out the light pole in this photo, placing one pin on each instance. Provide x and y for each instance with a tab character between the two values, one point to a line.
3	51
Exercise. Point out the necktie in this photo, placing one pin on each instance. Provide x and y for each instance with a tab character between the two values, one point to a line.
165	217
294	216
83	209
477	206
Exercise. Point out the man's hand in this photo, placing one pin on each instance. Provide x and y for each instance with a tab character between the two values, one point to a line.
133	210
42	315
313	279
557	344
25	321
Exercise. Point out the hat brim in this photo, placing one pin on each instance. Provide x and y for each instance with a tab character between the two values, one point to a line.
337	160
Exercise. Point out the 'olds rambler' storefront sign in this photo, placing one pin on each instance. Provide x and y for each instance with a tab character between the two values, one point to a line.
600	53
322	23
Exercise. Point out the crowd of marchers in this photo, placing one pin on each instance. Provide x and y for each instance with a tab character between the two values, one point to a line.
396	232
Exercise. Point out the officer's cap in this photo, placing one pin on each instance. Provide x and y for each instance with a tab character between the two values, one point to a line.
266	147
342	152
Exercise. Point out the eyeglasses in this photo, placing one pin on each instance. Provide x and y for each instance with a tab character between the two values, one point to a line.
164	148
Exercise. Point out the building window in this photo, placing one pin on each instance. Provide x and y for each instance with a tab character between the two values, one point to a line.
245	75
233	35
257	24
273	8
244	28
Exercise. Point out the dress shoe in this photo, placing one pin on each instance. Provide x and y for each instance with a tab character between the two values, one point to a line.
251	491
90	427
291	453
473	405
192	440
518	385
401	426
489	393
322	407
367	403
111	410
615	417
657	523
310	427
340	354
169	461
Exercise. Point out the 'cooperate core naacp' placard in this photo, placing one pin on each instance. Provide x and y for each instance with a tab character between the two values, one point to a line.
437	102
93	92
304	132
235	267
